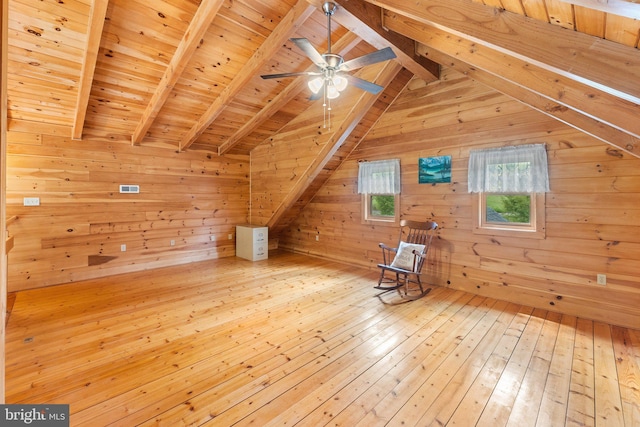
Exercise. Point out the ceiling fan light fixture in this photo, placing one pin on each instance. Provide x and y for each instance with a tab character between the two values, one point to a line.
339	82
316	84
332	92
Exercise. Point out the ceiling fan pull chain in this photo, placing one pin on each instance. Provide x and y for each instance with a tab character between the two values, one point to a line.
326	109
324	106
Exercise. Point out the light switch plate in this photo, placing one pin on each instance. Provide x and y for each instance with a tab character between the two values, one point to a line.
31	201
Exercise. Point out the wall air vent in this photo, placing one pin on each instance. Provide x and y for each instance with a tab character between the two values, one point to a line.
129	188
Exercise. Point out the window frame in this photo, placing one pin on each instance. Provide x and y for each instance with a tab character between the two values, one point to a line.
368	218
379	178
534	230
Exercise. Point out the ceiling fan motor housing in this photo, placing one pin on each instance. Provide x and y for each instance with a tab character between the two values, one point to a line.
333	61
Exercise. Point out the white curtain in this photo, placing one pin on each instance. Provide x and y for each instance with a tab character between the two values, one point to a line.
379	177
519	169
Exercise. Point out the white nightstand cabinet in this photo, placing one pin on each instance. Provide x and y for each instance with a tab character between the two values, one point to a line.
252	242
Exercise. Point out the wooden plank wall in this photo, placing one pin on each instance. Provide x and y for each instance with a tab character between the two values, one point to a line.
77	231
287	159
277	166
592	211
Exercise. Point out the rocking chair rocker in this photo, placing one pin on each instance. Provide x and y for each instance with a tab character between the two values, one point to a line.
402	265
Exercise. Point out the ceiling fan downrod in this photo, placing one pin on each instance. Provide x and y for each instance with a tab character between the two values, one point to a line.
329	9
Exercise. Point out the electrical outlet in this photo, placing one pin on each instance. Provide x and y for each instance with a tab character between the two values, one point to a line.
212	238
230	236
601	279
317	238
31	201
123	248
172	243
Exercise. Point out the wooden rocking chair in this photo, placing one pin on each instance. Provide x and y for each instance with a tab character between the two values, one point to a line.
402	265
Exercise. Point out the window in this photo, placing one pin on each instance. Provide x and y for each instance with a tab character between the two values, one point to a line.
510	185
502	214
510	208
379	184
380	207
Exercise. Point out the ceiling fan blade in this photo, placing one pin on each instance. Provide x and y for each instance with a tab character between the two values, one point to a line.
310	51
281	75
363	84
368	59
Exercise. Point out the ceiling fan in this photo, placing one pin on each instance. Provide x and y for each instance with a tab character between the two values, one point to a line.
332	77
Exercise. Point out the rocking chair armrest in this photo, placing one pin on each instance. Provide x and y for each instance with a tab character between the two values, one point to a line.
387	251
388	248
419	254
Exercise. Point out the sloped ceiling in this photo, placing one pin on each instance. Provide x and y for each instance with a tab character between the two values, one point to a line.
185	74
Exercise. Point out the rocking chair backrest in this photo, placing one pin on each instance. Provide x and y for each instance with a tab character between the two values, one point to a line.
417	232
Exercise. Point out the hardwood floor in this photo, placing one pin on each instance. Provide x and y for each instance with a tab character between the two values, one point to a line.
301	341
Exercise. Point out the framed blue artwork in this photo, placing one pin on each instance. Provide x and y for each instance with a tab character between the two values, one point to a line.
434	170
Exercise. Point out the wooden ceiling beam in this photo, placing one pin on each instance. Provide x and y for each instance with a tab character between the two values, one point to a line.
341	47
593	112
365	20
573	94
271	108
97	15
599	63
198	27
287	27
335	140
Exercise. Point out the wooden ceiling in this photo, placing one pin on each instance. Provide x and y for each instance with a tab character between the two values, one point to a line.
185	74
